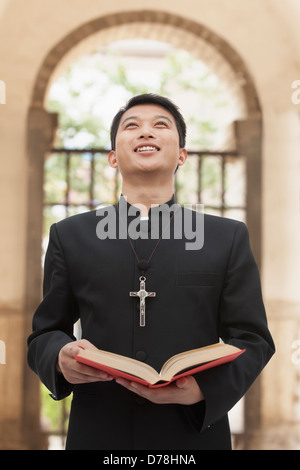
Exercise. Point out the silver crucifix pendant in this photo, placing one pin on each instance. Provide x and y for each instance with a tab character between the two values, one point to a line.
142	294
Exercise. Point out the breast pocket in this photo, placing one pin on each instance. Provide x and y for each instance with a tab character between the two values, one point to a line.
197	279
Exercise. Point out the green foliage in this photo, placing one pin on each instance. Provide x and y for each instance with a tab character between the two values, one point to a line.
81	96
55	413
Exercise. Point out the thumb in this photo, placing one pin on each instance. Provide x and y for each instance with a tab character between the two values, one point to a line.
84	344
182	382
74	347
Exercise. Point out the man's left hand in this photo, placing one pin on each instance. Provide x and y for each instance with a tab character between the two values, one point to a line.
184	391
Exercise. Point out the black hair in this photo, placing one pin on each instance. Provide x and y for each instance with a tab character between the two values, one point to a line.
150	98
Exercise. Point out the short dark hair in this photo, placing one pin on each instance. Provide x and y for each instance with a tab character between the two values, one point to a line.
150	98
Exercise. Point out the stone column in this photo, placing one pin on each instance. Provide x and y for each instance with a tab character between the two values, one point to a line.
249	142
19	389
280	415
41	128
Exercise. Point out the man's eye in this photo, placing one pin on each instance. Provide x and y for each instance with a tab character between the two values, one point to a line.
130	124
161	123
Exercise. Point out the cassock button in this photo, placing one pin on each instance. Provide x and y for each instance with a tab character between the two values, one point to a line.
141	356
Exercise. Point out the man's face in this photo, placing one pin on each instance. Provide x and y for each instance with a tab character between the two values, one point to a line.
147	141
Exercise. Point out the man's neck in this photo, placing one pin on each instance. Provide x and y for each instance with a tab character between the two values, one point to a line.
147	197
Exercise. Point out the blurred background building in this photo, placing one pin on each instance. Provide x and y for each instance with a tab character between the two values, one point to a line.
233	67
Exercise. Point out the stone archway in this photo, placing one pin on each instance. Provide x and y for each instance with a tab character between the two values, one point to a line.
188	34
217	54
180	32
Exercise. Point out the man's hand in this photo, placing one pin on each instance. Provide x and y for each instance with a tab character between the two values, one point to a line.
73	371
184	391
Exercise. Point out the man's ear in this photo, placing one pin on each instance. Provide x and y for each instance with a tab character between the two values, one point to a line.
112	159
182	157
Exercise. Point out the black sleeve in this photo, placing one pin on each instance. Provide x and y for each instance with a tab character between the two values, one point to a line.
242	322
53	320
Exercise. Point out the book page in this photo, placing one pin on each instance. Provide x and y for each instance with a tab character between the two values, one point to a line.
195	357
125	364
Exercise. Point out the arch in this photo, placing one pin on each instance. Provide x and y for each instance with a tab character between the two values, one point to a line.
190	29
181	32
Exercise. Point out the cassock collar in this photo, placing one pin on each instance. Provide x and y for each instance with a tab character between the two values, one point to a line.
133	211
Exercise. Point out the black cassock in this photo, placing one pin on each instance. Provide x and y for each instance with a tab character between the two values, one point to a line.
202	296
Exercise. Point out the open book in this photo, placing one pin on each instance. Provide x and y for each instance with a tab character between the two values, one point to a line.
180	365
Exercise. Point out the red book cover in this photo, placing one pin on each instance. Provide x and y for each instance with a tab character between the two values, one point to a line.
118	373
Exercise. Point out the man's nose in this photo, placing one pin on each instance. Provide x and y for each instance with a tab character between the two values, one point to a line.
146	133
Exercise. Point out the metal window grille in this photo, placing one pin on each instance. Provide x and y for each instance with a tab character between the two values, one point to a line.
86	167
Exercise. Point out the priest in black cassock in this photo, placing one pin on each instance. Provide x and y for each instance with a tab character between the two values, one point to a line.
205	290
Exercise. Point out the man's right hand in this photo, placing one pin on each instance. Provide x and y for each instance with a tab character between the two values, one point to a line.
73	371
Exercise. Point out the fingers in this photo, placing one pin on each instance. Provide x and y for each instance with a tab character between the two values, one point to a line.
162	395
184	391
80	373
73	371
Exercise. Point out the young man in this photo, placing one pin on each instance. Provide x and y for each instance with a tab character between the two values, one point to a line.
201	295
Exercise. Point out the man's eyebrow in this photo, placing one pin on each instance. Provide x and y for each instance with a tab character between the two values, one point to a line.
162	116
159	116
129	119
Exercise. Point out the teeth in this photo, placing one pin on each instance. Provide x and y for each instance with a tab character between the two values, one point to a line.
146	148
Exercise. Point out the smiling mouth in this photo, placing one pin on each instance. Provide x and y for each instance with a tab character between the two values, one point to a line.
146	148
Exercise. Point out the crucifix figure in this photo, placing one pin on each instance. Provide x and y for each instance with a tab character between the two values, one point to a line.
142	294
